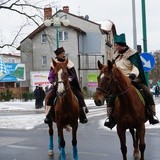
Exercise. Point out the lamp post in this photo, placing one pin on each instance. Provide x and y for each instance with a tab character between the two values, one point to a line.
57	21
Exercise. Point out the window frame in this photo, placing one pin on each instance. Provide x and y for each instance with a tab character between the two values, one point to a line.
44	60
43	38
64	35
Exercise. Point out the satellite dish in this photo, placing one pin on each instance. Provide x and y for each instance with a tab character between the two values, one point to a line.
86	17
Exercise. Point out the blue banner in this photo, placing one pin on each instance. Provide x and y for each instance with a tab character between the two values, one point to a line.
12	72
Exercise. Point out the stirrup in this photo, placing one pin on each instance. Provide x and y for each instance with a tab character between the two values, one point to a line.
82	117
84	120
110	123
47	120
153	120
86	109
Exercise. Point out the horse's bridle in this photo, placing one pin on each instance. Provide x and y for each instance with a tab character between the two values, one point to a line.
114	82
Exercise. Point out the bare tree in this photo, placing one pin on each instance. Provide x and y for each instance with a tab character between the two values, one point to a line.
29	10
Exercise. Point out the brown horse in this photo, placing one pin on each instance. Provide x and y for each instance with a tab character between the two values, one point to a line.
66	110
129	109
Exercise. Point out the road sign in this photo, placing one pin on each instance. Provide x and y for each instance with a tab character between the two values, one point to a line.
148	61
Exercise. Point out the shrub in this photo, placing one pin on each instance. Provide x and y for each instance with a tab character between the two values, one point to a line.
6	96
27	96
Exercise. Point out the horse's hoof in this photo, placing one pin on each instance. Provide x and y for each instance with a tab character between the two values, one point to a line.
50	152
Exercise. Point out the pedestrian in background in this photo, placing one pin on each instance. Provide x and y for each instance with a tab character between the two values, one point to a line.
39	95
157	91
36	96
42	96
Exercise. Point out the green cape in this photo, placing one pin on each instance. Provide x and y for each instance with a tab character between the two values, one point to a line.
136	60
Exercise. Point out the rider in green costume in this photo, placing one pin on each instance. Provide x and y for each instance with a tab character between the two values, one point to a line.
128	60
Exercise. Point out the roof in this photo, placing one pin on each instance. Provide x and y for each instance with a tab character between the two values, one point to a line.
9	55
108	26
42	27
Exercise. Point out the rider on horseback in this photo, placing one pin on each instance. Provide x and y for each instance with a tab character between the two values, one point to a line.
51	95
128	60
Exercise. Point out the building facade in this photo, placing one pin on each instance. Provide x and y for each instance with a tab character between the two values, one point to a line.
84	41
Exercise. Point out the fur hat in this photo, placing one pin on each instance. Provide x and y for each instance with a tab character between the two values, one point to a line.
59	50
120	39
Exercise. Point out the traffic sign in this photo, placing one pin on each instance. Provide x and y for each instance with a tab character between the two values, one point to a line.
148	61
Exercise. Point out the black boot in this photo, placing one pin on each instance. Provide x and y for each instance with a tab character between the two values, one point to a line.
47	120
110	122
151	112
86	109
152	119
82	116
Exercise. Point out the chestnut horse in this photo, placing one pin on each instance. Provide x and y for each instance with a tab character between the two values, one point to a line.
129	108
66	110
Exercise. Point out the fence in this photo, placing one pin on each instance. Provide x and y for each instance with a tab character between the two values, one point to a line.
16	92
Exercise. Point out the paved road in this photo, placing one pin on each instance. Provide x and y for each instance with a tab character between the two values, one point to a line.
94	142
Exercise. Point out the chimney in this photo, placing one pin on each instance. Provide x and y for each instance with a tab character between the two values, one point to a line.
66	9
47	12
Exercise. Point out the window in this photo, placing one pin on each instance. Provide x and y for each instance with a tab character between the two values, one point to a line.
11	60
44	60
63	36
43	38
108	40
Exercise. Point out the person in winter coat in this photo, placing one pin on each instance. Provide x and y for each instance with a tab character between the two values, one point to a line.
36	95
128	60
51	95
39	95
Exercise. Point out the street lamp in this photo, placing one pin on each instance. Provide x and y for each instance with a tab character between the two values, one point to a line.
57	21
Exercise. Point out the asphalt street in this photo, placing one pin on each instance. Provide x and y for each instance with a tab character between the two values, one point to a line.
94	142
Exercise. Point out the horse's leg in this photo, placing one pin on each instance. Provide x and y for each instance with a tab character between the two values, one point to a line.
142	145
74	141
122	136
135	142
50	152
61	142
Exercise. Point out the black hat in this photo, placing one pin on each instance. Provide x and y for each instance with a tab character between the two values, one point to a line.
59	50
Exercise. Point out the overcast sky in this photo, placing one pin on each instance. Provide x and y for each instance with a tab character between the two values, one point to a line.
118	11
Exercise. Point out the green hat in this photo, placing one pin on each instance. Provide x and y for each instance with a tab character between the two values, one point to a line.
120	39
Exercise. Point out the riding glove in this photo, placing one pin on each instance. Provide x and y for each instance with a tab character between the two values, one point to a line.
132	76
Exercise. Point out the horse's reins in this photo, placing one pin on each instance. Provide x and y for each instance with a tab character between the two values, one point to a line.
107	91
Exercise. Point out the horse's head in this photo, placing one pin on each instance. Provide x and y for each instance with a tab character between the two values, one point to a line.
61	74
105	83
111	80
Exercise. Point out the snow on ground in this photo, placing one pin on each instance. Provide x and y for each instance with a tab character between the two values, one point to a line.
30	121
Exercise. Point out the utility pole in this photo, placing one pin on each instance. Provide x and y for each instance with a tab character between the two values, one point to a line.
144	32
134	25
